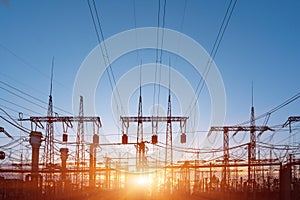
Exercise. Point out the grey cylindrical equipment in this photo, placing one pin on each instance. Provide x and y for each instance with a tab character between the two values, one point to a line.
63	156
35	142
95	139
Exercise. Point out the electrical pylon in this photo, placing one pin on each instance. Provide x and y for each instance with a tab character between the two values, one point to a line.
169	141
169	147
252	132
80	151
140	145
49	140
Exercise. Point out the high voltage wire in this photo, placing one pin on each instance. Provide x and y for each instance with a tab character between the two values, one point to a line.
28	64
11	118
25	62
195	150
19	141
161	52
25	99
213	53
28	95
184	10
283	104
156	54
266	114
104	52
11	78
30	110
16	125
135	26
13	110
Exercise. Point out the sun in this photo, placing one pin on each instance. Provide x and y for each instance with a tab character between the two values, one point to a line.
143	180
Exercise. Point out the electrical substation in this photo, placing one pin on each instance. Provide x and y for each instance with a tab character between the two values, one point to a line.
155	156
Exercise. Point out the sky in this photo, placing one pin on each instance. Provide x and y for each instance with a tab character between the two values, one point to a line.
261	46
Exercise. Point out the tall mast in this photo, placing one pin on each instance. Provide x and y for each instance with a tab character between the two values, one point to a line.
49	140
140	137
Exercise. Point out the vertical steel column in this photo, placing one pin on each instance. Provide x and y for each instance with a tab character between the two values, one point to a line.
226	153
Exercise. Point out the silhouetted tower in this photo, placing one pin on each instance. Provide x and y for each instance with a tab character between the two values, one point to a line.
49	140
169	149
80	151
252	132
169	143
140	145
252	156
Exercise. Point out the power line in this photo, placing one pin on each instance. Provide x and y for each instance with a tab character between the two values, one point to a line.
283	104
136	38
183	16
16	80
198	150
20	106
13	110
156	55
21	97
28	95
213	52
104	52
161	52
14	123
11	118
26	63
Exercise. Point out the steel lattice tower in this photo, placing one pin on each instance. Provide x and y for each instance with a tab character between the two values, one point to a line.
80	151
252	146
169	148
140	145
252	132
253	135
49	140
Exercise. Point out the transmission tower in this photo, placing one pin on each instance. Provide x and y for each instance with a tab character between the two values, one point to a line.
49	140
252	132
252	142
80	151
236	129
140	145
169	148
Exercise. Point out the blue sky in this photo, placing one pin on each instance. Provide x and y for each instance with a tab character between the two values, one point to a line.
261	44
